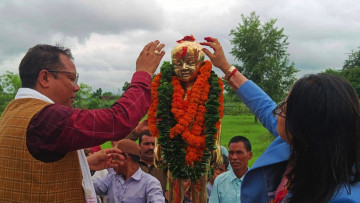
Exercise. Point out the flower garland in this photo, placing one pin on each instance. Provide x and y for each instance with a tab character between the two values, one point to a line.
186	151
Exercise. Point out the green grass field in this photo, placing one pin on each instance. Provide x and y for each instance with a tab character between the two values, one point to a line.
244	125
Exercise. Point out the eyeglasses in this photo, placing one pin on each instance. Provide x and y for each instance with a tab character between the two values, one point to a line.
279	109
67	72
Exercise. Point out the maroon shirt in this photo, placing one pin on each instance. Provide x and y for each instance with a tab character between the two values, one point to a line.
58	129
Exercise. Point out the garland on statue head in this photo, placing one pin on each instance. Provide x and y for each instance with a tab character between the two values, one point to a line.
186	152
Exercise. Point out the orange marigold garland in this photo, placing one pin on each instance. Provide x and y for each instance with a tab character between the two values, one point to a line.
187	129
153	107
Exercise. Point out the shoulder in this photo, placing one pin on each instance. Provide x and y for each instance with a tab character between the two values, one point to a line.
149	178
222	178
347	194
54	111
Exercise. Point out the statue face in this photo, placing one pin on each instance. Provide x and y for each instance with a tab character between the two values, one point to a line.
185	68
185	59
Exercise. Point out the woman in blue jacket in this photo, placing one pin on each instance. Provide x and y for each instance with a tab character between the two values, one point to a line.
316	154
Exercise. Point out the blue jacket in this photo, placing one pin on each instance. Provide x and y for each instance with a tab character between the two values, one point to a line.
262	179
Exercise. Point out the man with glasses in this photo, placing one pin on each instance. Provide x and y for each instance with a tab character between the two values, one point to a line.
40	131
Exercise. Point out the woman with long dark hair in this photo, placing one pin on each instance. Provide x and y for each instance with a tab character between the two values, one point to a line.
316	154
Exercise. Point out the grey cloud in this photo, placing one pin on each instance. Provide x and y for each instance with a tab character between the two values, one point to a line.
24	23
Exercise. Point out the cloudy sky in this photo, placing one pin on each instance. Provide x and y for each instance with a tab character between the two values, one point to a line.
107	36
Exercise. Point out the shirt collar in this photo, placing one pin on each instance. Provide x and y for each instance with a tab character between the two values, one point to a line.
137	174
234	177
31	93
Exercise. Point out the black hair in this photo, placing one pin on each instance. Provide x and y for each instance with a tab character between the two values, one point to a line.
322	125
39	57
243	139
147	133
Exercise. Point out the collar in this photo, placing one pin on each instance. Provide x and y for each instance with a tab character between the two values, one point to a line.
136	176
234	177
31	93
144	163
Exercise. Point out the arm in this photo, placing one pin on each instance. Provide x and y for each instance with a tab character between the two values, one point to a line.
253	96
139	130
101	185
58	129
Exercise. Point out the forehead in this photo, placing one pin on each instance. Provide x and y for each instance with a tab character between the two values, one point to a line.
237	146
67	64
146	138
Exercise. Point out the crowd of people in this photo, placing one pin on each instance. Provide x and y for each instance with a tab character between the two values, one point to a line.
315	156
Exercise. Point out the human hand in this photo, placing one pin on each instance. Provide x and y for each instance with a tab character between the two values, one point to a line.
142	127
106	158
150	57
218	57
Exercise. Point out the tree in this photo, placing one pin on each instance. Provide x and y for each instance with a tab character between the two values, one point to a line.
262	52
125	86
97	93
352	75
10	82
353	61
9	85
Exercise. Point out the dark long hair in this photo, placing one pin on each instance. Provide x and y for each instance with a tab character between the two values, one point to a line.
322	123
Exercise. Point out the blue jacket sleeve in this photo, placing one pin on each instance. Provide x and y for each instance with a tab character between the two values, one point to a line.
260	104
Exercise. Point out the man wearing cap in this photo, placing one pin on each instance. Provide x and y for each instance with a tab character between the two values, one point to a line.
129	183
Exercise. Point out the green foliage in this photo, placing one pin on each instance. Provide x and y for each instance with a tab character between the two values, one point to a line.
9	85
10	82
262	51
235	108
353	61
352	75
332	72
125	86
97	93
86	99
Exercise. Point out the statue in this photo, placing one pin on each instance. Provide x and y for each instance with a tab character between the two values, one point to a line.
185	116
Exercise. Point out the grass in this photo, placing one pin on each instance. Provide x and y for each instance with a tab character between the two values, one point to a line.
243	124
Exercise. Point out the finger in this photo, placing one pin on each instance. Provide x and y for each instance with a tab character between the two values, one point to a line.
111	164
212	45
113	150
117	156
159	56
209	39
208	53
147	47
154	45
145	122
158	48
215	41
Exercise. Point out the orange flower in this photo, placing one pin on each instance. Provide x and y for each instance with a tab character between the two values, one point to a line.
153	107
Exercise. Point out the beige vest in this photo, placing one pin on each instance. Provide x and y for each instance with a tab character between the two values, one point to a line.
24	178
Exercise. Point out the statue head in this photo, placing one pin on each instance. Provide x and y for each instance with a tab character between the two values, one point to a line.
185	57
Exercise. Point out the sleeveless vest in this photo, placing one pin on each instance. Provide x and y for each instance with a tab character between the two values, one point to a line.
24	178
